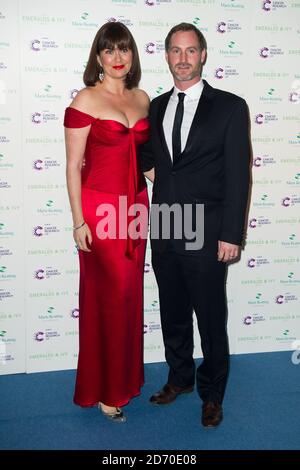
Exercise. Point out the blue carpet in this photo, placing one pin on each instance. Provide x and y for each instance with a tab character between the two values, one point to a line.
261	411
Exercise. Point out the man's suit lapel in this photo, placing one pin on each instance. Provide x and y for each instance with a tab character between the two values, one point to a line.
160	118
201	115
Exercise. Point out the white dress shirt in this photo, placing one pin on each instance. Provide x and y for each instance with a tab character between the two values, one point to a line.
191	100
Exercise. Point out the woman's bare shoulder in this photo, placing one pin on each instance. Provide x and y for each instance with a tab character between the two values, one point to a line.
142	96
83	100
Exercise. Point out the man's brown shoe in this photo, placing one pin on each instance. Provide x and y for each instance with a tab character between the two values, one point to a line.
212	414
168	394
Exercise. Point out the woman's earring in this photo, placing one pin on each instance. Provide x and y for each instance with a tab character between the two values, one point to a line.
101	73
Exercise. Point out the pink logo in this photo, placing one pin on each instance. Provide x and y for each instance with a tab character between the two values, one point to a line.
264	52
259	118
279	299
147	268
39	274
294	97
266	6
150	48
257	162
286	201
35	45
219	73
38	165
36	118
221	27
253	223
75	313
38	231
39	336
73	93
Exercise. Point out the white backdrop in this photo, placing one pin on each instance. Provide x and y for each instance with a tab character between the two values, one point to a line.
253	50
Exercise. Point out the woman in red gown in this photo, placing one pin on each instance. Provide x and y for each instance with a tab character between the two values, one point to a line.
105	124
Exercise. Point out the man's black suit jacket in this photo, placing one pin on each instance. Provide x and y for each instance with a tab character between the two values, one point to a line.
213	168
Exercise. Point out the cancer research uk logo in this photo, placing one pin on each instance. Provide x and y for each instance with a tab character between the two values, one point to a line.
154	3
48	272
156	47
4	139
271	51
253	318
263	160
45	164
4	184
257	262
273	5
74	313
5	294
41	336
120	19
43	117
152	327
73	92
294	96
258	222
44	230
226	71
5	252
285	298
290	201
265	118
228	26
42	44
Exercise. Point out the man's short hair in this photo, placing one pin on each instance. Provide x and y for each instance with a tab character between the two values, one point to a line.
185	27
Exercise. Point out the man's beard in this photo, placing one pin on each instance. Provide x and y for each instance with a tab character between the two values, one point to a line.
185	78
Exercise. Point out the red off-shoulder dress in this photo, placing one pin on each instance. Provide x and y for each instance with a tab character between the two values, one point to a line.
110	362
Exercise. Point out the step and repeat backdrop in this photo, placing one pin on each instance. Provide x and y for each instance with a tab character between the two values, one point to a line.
253	51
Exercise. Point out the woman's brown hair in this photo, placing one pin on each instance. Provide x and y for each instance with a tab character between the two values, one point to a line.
109	36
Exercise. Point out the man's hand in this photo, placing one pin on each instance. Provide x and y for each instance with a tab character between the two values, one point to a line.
150	175
227	251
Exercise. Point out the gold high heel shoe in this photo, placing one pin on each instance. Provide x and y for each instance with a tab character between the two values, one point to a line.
115	416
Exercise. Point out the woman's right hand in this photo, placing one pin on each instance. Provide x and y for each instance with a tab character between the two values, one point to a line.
83	238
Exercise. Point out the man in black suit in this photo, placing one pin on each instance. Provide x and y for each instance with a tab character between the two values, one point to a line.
198	154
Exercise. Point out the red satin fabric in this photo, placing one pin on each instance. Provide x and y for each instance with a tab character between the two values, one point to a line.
110	362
